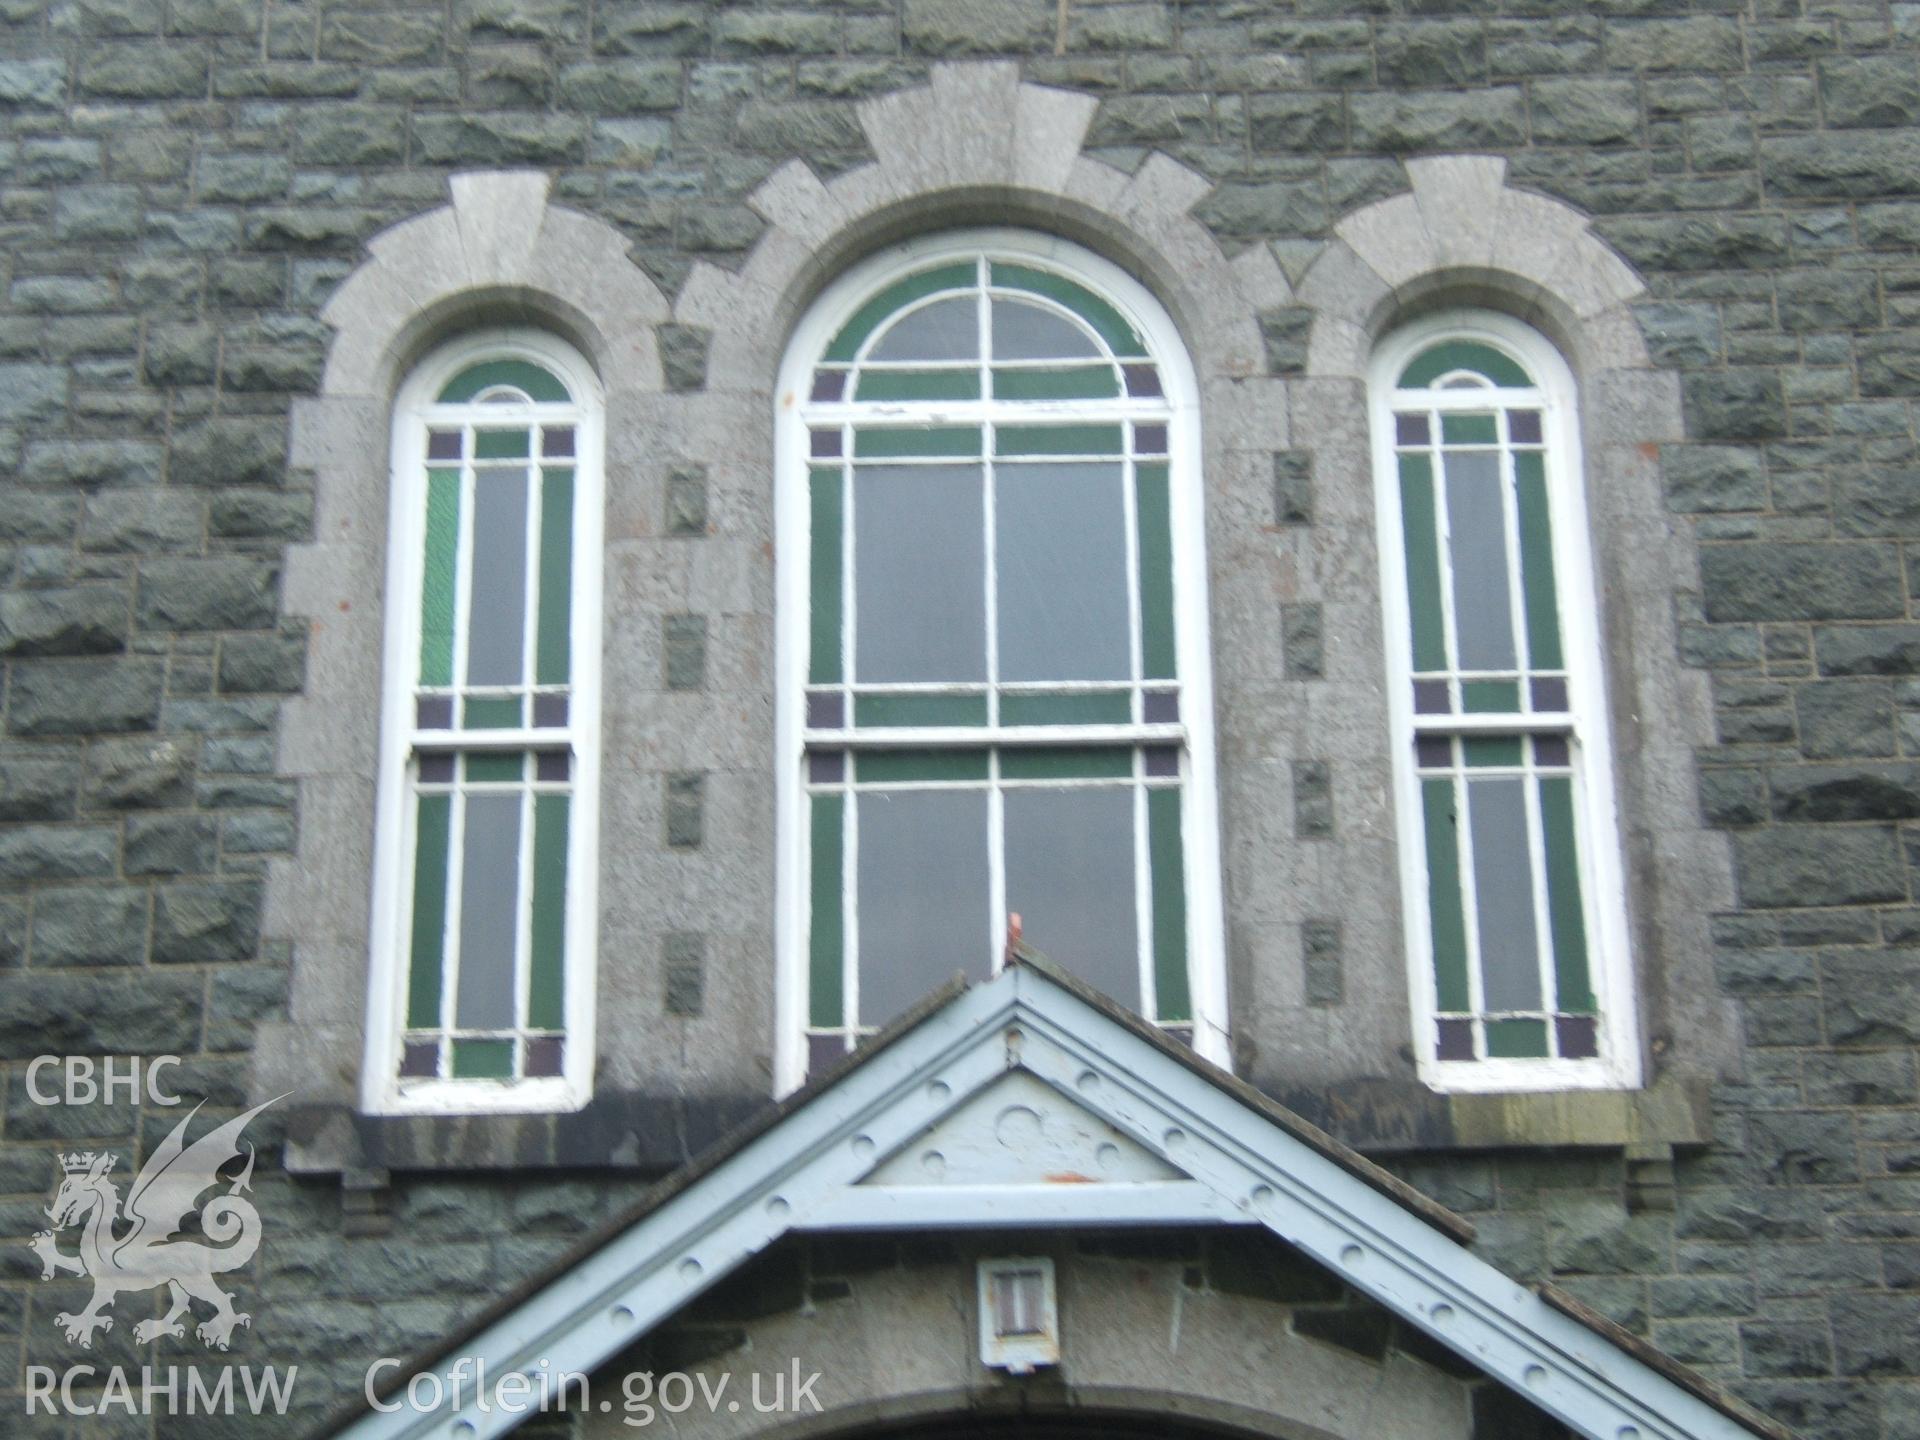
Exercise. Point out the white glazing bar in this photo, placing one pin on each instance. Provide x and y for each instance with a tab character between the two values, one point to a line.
974	737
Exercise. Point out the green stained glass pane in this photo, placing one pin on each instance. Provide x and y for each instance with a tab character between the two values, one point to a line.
501	444
1566	914
1067	762
823	664
1059	440
437	586
874	710
1167	866
553	645
1536	562
1423	562
1516	1039
1444	909
546	991
928	441
888	767
1490	697
1468	430
918	385
1492	749
1088	707
495	769
432	826
1106	321
825	951
901	293
1157	653
540	384
1081	382
491	712
483	1059
1450	355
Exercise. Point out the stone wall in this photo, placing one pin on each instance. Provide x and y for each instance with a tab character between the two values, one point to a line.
186	183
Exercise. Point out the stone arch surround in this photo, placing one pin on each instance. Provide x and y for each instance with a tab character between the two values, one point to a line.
1463	236
498	256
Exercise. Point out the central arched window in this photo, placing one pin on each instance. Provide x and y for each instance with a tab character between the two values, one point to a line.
995	698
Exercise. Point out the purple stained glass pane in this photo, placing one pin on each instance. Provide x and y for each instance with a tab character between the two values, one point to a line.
552	766
419	1058
826	710
443	444
1434	752
1456	1040
434	712
826	767
1549	695
1550	750
546	1055
825	444
1163	760
823	1053
1411	430
436	769
1430	697
1160	707
1142	380
829	384
549	711
556	442
1149	439
1524	426
1578	1036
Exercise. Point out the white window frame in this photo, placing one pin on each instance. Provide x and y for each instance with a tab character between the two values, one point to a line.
1206	961
1618	1064
382	1089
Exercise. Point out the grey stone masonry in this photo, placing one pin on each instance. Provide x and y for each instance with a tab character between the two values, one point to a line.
187	185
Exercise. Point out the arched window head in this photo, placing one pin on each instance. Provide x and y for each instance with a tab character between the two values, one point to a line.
481	991
995	699
1514	904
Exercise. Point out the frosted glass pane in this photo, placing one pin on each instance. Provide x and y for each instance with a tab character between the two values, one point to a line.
922	897
1070	878
1029	332
919	573
497	613
1503	880
489	913
1477	550
1060	536
944	330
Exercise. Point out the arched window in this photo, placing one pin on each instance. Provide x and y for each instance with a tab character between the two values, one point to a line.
1514	903
995	698
482	973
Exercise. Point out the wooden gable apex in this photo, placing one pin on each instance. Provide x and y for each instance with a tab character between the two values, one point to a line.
1030	1101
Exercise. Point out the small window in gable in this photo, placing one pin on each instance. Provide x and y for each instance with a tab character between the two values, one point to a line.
482	970
996	693
1514	901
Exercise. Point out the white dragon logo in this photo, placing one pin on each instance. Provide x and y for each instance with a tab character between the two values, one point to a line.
145	1254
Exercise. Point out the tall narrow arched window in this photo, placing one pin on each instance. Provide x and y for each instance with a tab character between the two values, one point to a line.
1514	902
994	689
481	991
